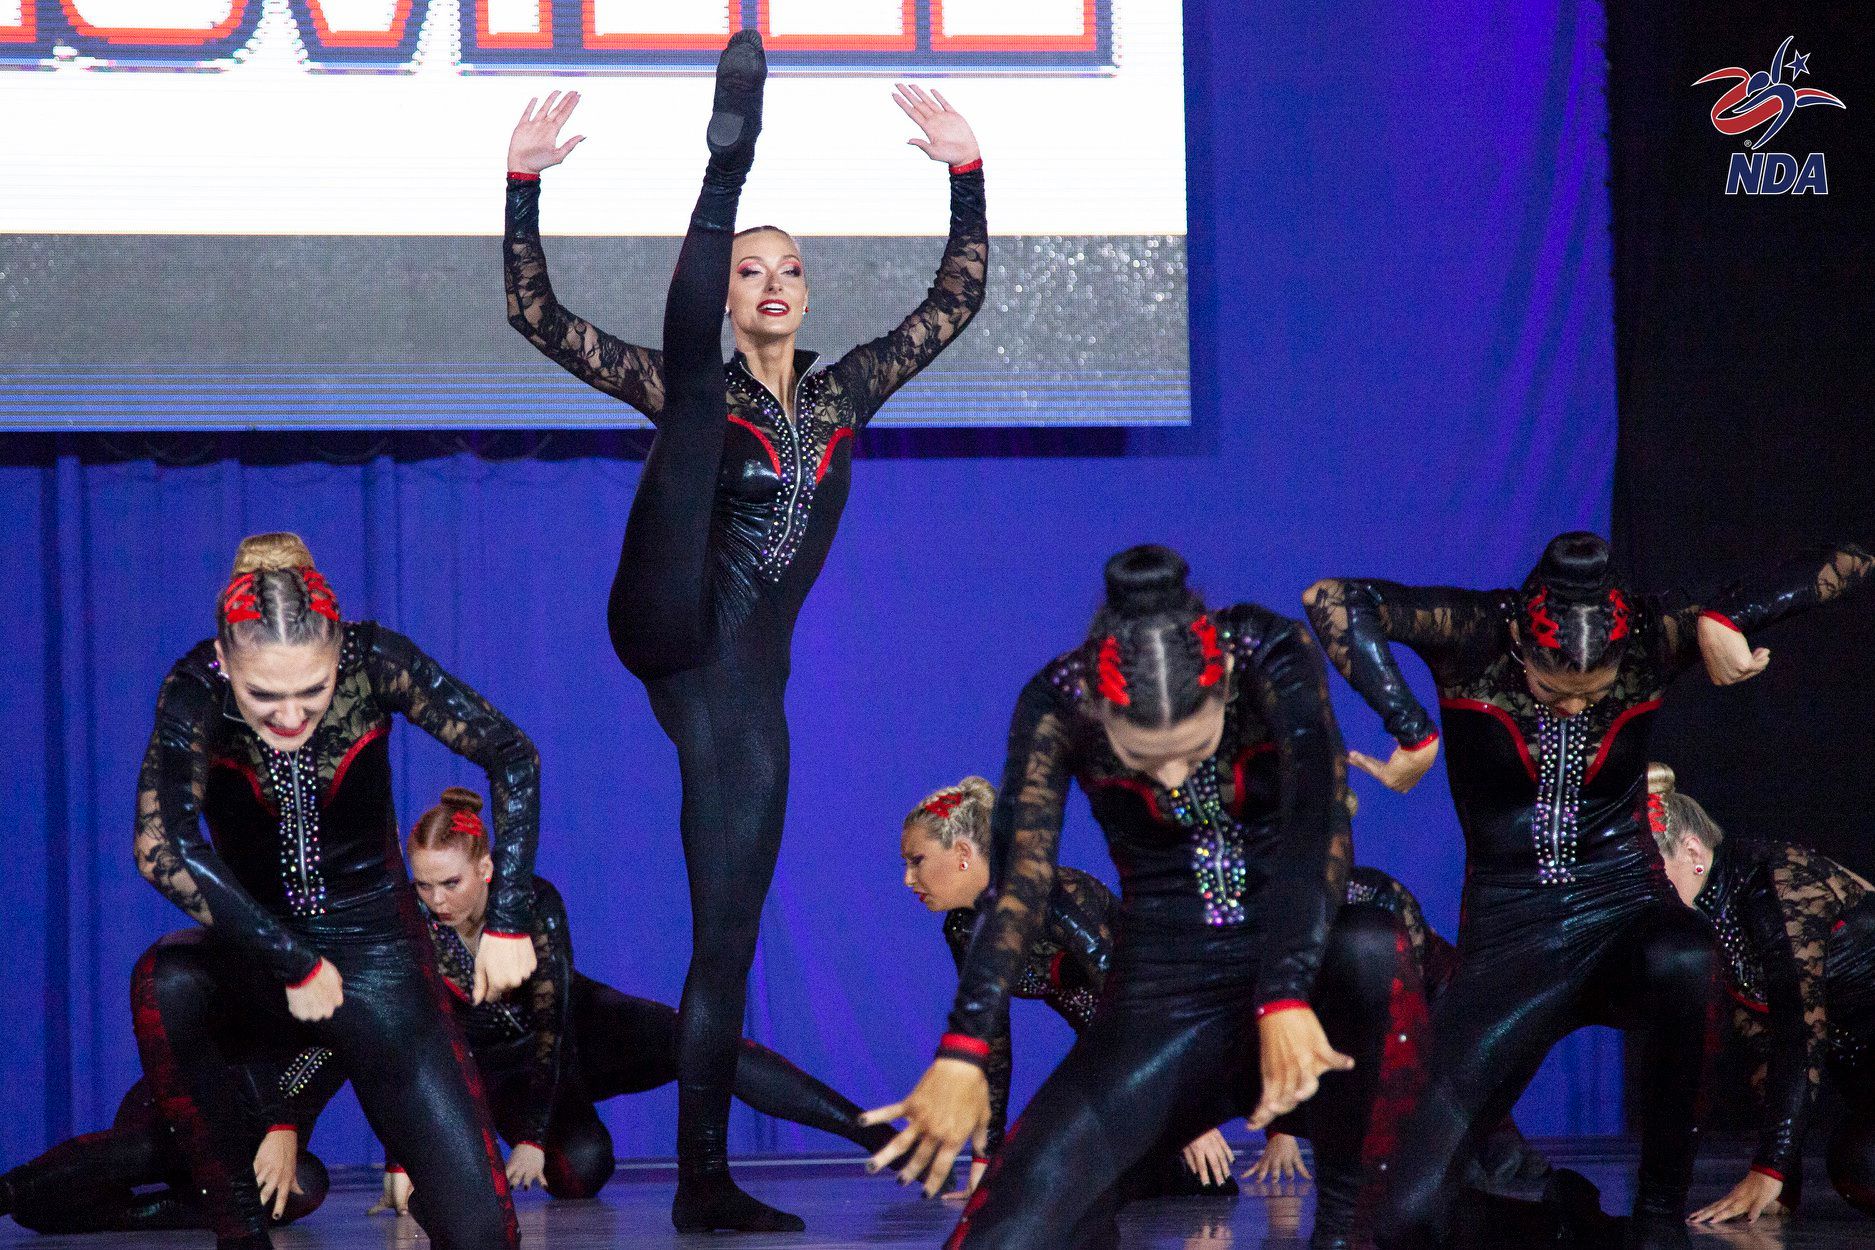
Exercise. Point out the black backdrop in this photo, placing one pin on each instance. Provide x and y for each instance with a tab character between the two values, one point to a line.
1743	347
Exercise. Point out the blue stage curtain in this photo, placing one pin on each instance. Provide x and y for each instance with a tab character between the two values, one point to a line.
1403	367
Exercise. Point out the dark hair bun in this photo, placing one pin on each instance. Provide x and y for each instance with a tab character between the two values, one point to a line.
462	799
1574	566
1145	580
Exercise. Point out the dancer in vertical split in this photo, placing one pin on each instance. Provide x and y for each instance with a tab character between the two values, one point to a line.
1210	757
731	522
1548	696
1798	932
275	733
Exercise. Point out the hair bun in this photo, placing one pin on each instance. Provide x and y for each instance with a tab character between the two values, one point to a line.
1148	579
1661	779
260	553
1576	565
462	799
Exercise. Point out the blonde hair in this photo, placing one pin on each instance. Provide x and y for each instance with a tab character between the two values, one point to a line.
1671	815
957	811
275	595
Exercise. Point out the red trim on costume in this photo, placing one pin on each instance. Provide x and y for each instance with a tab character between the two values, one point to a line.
968	1045
338	774
1237	770
761	438
1773	1173
518	176
1279	1005
969	167
283	1128
306	980
1510	724
1608	739
1054	968
826	457
242	767
1748	1004
1138	787
1722	619
1422	744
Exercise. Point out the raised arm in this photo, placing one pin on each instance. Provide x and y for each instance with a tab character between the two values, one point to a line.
871	372
175	855
619	369
1717	630
408	681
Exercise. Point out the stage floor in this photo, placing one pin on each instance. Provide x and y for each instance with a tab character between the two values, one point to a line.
845	1208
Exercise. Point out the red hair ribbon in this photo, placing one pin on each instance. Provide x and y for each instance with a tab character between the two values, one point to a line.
466	823
942	805
1109	680
237	601
1544	630
1619	606
1657	813
319	596
1206	629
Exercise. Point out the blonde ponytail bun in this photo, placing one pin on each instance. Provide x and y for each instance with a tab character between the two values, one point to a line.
1660	778
260	553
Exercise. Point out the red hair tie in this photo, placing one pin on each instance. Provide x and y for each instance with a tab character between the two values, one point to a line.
237	601
1544	631
942	805
319	596
1206	629
465	822
1109	680
1619	606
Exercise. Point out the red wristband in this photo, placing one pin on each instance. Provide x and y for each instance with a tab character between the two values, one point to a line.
968	168
964	1045
1732	625
518	175
498	933
1422	744
1281	1004
1773	1173
306	980
283	1128
394	1169
536	1145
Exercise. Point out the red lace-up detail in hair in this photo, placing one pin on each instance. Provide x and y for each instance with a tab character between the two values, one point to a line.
238	602
1206	629
1618	604
1657	814
319	596
1108	679
942	805
1544	630
466	823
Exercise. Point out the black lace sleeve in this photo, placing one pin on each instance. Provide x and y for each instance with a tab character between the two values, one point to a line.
1309	880
172	851
872	371
1789	925
620	369
1454	631
547	998
1025	833
408	681
999	1064
1805	582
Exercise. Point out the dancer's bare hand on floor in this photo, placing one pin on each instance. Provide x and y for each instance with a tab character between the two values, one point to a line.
1210	1157
947	1110
1281	1160
1295	1053
276	1169
396	1195
1729	655
1756	1195
527	1166
319	996
947	136
1402	770
501	963
535	144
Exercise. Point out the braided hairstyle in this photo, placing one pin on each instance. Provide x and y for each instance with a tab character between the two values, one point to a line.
1671	814
957	811
454	822
1575	613
1155	651
275	595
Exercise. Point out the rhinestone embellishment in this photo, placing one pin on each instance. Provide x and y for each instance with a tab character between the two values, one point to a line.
300	1072
793	445
1562	751
1217	845
296	789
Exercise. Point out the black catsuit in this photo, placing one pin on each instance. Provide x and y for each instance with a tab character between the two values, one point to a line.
89	1183
1229	885
733	517
303	866
1798	932
562	1042
1568	918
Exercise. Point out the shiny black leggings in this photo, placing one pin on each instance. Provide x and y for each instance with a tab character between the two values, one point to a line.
1535	964
392	1036
627	1045
1171	1053
87	1184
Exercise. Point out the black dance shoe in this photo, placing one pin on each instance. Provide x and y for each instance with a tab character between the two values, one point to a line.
714	1203
736	120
